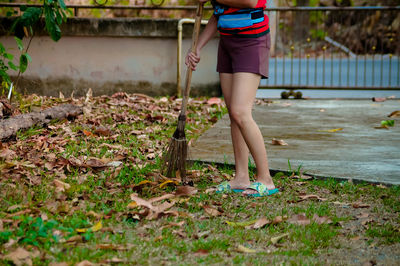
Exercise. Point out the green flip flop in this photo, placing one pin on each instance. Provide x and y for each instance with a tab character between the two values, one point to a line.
261	189
225	187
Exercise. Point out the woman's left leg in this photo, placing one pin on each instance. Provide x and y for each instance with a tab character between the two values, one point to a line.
244	88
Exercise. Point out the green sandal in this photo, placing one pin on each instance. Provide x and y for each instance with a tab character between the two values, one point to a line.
261	189
225	187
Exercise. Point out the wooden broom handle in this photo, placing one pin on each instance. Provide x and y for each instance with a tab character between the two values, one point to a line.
195	38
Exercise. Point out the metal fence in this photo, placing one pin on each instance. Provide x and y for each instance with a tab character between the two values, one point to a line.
321	47
339	48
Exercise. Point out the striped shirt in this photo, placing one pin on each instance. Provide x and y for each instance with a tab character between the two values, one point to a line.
242	22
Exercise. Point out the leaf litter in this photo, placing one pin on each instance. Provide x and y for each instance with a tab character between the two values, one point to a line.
106	133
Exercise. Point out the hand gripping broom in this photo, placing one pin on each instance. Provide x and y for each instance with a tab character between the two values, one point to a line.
175	158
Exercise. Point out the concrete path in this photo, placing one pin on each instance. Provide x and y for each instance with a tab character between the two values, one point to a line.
358	152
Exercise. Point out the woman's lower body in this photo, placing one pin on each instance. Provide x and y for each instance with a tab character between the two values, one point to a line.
242	62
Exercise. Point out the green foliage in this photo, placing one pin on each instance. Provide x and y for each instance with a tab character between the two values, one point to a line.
54	12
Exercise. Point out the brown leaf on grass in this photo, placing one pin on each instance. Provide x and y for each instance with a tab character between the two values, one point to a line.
180	224
358	205
279	219
113	260
260	223
210	190
85	263
279	142
1	225
304	177
154	211
15	207
394	114
19	213
185	191
102	131
362	215
211	211
201	252
355	238
58	264
7	154
74	239
87	133
142	202
95	163
111	247
322	219
61	186
305	197
94	214
299	219
21	256
163	197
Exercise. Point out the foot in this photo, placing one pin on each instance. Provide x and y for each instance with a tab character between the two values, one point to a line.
240	183
266	181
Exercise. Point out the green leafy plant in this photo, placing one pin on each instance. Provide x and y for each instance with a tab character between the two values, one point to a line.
54	13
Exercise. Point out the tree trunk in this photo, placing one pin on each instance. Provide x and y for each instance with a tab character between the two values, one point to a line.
9	127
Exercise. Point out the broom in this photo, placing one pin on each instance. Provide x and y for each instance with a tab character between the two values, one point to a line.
175	158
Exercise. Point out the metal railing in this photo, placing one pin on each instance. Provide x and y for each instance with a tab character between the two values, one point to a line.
321	47
336	48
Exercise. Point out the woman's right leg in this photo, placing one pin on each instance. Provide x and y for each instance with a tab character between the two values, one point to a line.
240	149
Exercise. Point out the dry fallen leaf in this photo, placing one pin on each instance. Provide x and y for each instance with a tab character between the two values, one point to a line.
211	211
114	260
358	205
244	249
21	257
58	264
94	228
85	263
362	215
185	191
305	197
394	114
111	247
61	186
260	223
201	252
278	142
299	219
7	154
241	224
75	239
279	219
276	239
322	219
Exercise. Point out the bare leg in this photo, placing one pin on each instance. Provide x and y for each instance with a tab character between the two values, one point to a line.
240	150
244	87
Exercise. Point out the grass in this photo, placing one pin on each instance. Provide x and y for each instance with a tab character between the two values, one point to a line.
38	217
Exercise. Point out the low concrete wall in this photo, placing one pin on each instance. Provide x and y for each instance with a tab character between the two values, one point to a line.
110	55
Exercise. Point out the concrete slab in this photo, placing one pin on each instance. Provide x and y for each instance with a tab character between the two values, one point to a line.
359	151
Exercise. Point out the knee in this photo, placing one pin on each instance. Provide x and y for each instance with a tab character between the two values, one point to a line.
240	117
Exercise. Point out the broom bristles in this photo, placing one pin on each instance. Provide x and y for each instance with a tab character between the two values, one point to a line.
176	155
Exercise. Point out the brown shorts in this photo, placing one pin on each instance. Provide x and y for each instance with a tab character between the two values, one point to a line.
236	54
